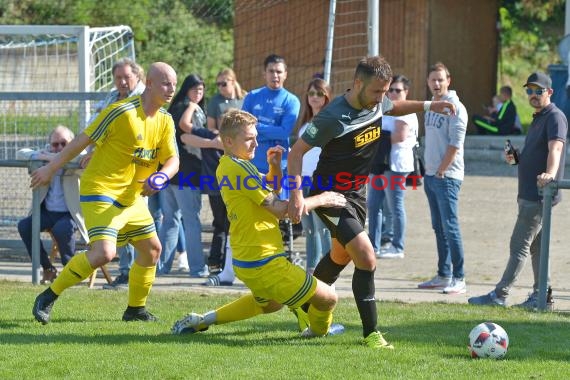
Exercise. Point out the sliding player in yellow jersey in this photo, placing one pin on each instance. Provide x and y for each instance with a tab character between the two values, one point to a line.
259	258
133	136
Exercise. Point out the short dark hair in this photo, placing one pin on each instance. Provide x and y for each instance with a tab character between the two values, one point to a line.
438	66
375	66
399	78
507	90
273	58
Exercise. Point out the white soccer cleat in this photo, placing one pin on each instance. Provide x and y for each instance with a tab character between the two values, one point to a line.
190	324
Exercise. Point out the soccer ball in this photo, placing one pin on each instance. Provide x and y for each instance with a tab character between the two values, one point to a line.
488	340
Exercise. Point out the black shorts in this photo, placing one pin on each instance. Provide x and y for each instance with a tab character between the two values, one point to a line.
346	222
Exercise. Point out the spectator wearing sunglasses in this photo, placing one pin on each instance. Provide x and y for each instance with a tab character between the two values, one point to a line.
318	238
230	95
59	212
540	162
403	132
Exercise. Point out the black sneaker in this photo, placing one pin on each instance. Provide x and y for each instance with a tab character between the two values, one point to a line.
42	306
531	302
121	281
138	314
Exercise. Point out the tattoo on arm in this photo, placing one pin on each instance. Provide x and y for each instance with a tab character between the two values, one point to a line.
275	205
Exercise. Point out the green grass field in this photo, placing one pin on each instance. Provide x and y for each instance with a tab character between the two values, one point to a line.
87	340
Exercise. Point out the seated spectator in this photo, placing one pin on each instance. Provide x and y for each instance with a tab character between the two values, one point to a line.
59	212
502	120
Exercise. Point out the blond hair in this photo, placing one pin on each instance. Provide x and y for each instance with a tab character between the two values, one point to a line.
234	120
228	72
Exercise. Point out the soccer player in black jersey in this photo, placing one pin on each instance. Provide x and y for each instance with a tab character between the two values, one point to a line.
348	130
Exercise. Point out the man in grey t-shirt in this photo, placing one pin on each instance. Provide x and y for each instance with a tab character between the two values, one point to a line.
540	162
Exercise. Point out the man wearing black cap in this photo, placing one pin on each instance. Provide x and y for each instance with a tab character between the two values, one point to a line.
540	162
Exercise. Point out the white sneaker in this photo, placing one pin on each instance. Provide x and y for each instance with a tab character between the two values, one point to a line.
457	286
183	262
436	283
390	252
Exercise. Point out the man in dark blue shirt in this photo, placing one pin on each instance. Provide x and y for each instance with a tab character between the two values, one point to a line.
540	162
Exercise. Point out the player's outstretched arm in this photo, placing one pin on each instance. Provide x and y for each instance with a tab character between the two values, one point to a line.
326	199
43	175
405	107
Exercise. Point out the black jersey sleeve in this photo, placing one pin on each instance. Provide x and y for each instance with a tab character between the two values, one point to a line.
322	129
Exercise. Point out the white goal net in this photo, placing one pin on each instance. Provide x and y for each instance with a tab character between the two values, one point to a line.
61	58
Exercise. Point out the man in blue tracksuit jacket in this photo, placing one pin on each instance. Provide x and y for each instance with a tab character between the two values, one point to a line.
276	110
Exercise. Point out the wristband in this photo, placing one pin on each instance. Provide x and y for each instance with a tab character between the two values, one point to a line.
427	106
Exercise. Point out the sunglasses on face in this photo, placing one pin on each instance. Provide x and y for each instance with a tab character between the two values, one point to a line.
223	83
396	90
58	143
320	94
538	91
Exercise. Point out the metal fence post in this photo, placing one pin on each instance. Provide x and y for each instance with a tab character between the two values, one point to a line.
548	193
36	212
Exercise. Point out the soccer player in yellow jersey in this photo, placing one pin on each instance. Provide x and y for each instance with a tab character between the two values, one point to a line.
133	136
259	260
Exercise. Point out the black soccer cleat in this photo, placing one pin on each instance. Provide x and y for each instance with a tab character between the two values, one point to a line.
138	314
42	306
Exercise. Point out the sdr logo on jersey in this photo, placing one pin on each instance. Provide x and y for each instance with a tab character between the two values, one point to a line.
369	134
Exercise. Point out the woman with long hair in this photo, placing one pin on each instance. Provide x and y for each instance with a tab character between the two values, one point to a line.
230	95
318	238
180	200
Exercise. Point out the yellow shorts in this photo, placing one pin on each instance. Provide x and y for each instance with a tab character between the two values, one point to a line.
105	221
280	281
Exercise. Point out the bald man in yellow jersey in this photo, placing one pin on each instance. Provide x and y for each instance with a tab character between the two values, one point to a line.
259	258
133	136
